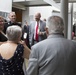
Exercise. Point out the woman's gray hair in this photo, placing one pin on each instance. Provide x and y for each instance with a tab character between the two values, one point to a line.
55	24
14	33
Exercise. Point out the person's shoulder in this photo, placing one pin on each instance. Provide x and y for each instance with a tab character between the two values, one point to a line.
24	26
3	44
8	23
0	33
32	23
74	41
42	22
40	44
40	47
18	23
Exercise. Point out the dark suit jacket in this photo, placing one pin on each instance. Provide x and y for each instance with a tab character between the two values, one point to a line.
53	56
26	30
10	24
3	38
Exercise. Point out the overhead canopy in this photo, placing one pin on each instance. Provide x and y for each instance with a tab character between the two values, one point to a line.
70	1
28	3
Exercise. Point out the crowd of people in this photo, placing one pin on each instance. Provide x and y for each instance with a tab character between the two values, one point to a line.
42	43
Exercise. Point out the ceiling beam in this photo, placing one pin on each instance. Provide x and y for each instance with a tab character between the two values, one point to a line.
70	1
53	3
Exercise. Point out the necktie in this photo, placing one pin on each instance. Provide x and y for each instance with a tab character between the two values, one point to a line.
36	37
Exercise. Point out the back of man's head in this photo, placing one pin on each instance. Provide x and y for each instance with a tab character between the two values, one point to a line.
55	24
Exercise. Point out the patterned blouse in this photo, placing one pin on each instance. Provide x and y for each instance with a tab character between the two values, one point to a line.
14	65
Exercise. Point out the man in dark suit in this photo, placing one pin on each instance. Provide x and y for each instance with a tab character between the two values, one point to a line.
37	31
54	56
12	21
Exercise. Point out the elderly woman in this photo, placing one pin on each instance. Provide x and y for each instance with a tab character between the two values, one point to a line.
12	53
2	35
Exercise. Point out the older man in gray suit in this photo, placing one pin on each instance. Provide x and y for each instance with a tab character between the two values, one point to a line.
37	31
54	56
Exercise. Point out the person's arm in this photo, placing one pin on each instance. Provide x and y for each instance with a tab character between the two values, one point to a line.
32	68
26	52
44	31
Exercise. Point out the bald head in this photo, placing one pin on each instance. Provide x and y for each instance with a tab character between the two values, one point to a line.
37	16
12	16
55	24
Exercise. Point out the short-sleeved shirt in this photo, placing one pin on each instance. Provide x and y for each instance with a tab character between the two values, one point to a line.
14	65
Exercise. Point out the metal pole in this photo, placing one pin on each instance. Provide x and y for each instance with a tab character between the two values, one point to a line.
64	15
70	23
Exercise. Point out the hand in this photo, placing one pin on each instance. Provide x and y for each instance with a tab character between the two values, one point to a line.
22	42
25	35
41	33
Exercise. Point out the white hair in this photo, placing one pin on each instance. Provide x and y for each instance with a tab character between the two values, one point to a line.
14	33
55	24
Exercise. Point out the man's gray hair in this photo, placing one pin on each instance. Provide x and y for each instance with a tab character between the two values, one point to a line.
14	33
55	24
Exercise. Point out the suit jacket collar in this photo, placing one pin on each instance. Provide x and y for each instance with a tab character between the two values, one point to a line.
56	35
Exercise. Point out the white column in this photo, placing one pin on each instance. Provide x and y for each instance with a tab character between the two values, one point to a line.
70	23
6	5
64	15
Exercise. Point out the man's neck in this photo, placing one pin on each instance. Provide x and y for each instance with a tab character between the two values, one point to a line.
13	22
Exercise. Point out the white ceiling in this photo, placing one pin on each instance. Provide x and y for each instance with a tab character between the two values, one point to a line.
69	6
39	2
55	3
58	1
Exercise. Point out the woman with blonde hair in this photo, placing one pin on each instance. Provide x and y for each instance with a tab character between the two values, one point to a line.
13	52
3	38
